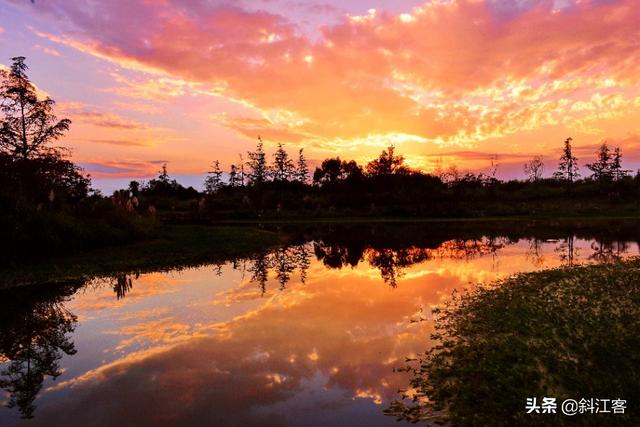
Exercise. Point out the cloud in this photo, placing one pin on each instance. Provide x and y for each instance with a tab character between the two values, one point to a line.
119	142
123	168
47	50
106	120
379	73
254	127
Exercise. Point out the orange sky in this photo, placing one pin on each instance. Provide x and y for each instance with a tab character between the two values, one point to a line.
463	80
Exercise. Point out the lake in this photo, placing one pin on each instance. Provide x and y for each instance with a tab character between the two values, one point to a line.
307	334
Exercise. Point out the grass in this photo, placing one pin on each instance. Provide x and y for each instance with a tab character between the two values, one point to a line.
564	333
174	247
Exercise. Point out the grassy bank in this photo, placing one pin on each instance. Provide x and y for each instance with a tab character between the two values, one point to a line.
173	247
567	333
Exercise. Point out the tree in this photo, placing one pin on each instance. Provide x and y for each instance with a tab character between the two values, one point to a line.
302	170
134	188
28	125
568	167
334	170
235	179
386	163
213	181
534	168
258	164
283	168
601	168
329	171
241	170
163	185
617	172
164	175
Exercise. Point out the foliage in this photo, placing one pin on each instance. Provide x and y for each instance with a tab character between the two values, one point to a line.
564	333
257	164
283	168
28	125
534	168
568	167
213	182
386	163
302	170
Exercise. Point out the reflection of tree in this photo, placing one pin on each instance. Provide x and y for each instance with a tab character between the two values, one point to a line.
392	261
283	266
608	252
302	256
33	337
567	333
534	252
259	270
567	251
335	255
122	285
283	262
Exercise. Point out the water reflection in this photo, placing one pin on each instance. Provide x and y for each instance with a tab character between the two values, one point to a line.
34	328
303	331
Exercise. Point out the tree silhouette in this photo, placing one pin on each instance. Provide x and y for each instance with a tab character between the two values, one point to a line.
387	163
282	169
213	182
257	164
302	170
334	170
568	167
533	169
617	172
601	168
28	125
235	179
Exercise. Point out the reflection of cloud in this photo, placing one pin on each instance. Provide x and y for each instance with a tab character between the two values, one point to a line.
262	357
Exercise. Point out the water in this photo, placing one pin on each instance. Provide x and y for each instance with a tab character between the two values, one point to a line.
307	335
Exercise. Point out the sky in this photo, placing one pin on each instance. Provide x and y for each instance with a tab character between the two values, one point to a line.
448	82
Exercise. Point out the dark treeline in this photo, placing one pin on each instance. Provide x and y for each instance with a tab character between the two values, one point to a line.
386	186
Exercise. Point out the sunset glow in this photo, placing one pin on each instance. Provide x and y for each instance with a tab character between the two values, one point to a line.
451	81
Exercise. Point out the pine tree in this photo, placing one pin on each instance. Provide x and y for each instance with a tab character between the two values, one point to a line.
164	175
27	125
302	170
213	182
568	167
616	165
241	170
282	169
601	168
258	164
234	177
